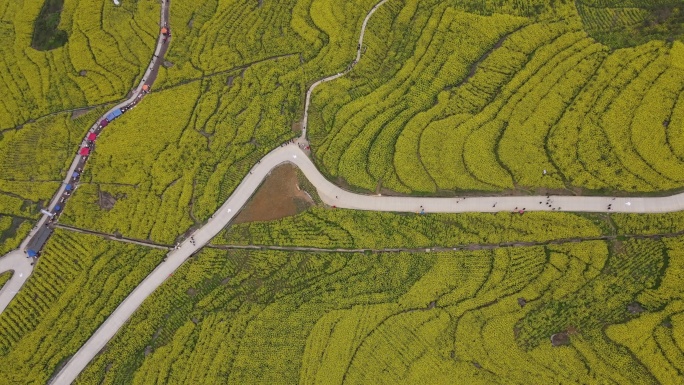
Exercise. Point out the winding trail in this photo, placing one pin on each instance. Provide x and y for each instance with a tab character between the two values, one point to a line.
333	196
329	193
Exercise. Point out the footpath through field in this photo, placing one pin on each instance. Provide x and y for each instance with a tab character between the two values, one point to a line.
335	196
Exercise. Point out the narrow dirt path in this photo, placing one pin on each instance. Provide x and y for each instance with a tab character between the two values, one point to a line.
113	237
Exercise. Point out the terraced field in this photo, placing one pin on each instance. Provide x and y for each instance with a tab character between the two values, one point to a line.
450	97
80	279
458	101
629	23
108	47
35	158
481	316
332	228
4	277
170	162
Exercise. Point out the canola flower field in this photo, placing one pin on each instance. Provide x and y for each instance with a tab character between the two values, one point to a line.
614	309
79	281
450	105
170	163
108	48
449	97
461	101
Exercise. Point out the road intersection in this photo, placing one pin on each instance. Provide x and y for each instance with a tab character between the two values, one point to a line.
334	196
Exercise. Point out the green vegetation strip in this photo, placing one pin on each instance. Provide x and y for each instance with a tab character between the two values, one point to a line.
483	316
335	228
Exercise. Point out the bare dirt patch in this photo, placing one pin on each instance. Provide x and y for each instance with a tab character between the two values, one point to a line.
560	339
278	197
106	200
635	308
297	127
76	113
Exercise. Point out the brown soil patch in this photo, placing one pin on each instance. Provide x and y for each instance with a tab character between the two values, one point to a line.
278	197
560	339
106	201
297	127
635	308
76	113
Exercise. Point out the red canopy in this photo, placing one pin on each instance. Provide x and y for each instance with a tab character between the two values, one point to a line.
92	136
85	151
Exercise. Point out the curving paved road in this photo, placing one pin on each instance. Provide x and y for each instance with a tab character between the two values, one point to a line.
23	265
334	196
21	268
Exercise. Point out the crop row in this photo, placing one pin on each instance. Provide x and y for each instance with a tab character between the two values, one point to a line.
77	282
477	315
108	48
173	160
319	227
319	33
607	19
546	98
34	158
